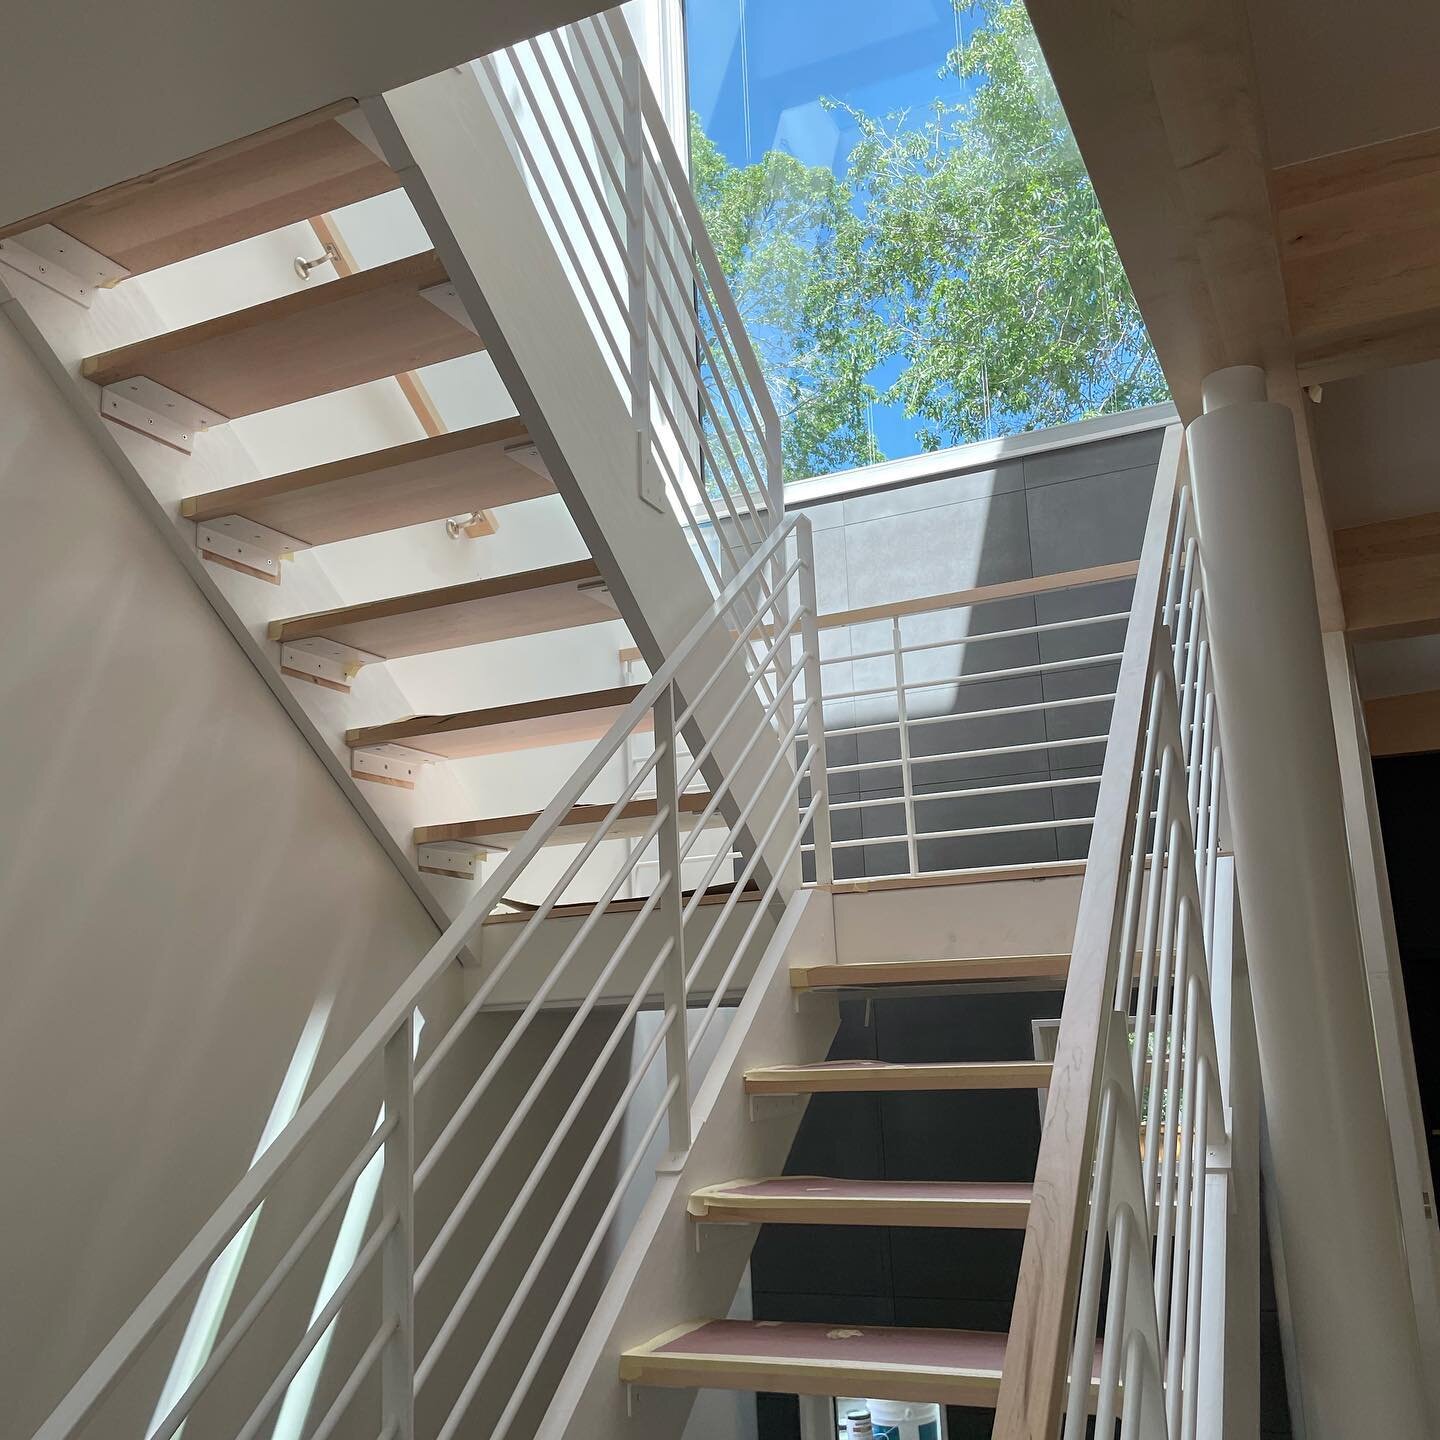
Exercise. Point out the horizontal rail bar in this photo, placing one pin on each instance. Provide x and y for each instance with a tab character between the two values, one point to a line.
984	754
981	594
1049	627
1015	789
977	677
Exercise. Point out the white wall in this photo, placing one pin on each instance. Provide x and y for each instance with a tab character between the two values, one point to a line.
182	882
176	78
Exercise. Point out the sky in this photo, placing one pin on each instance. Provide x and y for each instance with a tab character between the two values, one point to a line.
758	69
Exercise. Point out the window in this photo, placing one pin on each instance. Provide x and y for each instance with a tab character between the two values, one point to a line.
905	219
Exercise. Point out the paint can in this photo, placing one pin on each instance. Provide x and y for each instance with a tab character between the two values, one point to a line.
897	1420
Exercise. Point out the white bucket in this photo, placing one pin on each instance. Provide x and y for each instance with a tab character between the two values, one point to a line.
895	1420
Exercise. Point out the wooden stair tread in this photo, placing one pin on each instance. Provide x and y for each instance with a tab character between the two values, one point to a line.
715	894
954	1367
332	336
862	1076
474	613
918	972
429	479
503	831
557	720
288	173
821	1200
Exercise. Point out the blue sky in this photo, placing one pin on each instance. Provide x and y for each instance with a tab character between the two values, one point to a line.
758	69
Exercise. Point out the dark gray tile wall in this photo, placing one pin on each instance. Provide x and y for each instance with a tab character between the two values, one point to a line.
1061	510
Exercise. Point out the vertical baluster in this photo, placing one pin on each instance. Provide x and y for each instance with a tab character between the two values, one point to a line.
1082	1358
1152	917
672	925
1134	1392
633	143
1166	1134
1135	879
912	848
1114	1326
397	1260
1191	1373
1162	1029
1172	1312
815	699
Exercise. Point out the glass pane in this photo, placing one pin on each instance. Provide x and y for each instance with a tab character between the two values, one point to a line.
904	216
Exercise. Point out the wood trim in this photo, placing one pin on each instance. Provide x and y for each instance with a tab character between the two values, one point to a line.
874	1076
1038	1353
981	594
921	972
1390	577
1404	724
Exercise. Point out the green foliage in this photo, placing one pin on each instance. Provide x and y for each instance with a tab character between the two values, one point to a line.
968	246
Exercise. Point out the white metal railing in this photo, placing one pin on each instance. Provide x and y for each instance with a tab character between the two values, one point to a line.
939	753
1138	1113
588	132
674	953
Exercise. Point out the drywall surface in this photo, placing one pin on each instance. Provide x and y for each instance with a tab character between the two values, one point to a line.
187	901
174	78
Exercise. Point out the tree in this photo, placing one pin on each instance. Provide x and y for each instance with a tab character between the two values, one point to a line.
968	248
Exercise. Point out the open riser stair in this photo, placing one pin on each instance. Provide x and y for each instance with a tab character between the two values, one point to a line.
685	865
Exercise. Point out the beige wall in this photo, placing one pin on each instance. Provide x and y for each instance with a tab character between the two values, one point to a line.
180	882
162	81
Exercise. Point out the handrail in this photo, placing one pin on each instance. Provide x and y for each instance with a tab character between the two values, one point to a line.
1138	1089
388	1036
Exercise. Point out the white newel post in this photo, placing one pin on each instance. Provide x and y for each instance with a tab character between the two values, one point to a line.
1355	1336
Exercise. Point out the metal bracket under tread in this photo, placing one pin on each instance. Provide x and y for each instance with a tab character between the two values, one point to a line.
775	1107
61	263
244	545
459	859
326	663
446	298
396	765
148	408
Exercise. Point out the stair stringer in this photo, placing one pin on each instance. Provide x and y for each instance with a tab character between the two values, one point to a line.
444	139
662	1279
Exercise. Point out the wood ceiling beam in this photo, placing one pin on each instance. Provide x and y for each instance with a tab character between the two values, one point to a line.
1164	105
1390	577
1359	237
1404	724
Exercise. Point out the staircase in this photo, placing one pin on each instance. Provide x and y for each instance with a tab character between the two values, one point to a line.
563	1187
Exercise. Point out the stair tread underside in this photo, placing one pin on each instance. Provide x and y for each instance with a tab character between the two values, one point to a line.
503	831
283	175
430	479
343	332
473	613
955	1367
557	720
823	1200
870	1075
917	972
